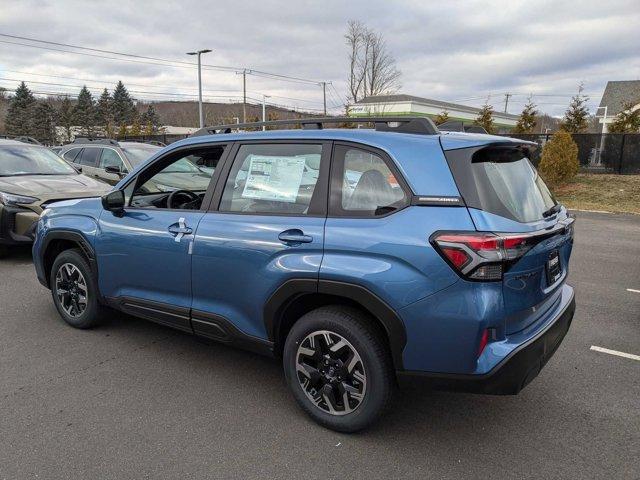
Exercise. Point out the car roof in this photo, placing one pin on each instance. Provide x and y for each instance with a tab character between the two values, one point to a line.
9	142
419	157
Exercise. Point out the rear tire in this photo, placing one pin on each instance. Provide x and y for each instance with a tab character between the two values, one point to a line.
74	288
339	368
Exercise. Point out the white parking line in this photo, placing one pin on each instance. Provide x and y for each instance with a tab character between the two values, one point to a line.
615	352
633	290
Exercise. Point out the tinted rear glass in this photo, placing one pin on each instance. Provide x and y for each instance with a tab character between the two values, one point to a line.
89	157
502	182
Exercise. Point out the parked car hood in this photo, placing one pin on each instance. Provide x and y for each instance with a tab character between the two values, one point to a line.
53	186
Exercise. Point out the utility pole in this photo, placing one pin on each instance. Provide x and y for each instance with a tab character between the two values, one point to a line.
264	110
324	96
244	96
200	112
506	101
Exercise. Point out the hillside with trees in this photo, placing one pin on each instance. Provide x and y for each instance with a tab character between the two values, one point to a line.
113	114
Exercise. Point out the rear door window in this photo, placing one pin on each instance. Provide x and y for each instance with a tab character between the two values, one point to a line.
364	184
89	157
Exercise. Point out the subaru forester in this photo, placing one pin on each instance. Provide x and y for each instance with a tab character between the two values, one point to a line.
355	256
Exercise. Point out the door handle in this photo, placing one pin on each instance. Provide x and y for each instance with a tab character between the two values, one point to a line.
180	229
294	236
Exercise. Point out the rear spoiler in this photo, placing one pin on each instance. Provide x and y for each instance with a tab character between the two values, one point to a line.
459	126
504	151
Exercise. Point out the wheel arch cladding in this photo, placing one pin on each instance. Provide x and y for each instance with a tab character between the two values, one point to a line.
60	240
296	297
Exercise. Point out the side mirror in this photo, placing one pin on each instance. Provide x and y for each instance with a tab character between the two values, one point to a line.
114	202
114	169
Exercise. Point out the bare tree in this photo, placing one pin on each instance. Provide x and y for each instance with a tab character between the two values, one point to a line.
372	69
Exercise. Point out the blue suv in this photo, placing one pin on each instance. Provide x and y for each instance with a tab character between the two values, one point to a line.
356	256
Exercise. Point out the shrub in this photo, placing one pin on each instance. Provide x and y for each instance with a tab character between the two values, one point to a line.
559	162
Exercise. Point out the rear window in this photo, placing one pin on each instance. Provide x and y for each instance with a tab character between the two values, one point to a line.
502	181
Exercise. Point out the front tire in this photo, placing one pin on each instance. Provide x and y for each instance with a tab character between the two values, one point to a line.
74	288
338	368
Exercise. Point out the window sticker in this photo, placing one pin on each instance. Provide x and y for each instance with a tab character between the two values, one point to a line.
274	178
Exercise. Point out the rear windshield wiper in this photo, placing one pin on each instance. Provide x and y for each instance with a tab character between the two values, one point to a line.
555	209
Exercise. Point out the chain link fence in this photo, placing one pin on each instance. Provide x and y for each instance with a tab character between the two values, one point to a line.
598	153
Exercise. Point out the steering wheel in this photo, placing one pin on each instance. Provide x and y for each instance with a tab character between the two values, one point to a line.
190	197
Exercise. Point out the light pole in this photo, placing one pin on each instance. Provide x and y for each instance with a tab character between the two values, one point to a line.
264	109
198	53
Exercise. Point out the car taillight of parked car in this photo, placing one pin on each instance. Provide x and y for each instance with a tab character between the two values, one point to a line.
481	256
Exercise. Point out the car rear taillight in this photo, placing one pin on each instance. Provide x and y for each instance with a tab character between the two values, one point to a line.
481	256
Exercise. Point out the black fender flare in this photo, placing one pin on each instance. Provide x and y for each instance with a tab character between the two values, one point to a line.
294	288
72	236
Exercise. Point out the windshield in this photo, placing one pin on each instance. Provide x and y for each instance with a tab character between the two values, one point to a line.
31	160
139	153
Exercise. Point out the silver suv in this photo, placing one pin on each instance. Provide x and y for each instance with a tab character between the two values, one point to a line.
106	159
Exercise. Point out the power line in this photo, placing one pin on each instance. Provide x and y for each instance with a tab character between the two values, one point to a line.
135	84
144	58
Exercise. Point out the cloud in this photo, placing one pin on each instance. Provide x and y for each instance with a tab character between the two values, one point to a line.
447	50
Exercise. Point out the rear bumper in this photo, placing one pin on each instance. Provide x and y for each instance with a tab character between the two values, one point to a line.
516	370
17	225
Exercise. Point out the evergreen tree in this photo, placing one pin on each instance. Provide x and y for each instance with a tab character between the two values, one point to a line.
124	110
65	117
576	116
135	130
122	131
485	118
20	112
527	121
44	123
104	113
559	161
627	121
151	120
84	113
442	117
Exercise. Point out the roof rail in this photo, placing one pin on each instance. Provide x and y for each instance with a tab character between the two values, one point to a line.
403	124
102	141
157	143
27	139
459	126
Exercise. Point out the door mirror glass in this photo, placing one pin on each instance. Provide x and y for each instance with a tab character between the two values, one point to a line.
115	169
114	201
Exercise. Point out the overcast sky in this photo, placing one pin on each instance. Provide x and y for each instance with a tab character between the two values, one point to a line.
448	50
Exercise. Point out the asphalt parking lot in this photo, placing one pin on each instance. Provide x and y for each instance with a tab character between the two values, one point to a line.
136	400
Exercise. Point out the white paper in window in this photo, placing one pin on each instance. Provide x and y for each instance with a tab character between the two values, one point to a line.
274	178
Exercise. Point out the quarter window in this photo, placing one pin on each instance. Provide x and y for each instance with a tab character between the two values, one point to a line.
367	186
273	178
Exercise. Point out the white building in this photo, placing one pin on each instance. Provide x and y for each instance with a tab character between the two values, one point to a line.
410	105
617	95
